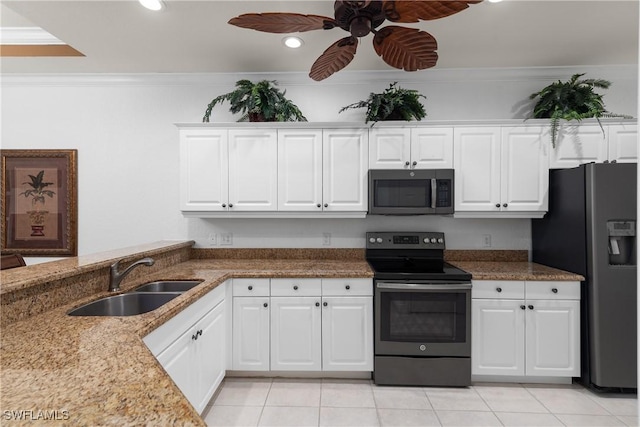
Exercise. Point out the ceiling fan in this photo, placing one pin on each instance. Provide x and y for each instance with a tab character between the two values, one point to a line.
408	49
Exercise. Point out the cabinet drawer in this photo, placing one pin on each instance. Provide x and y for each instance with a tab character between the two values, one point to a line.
497	289
295	287
553	290
250	287
346	287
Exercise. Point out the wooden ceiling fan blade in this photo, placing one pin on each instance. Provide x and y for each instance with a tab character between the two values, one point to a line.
422	10
407	49
335	58
277	22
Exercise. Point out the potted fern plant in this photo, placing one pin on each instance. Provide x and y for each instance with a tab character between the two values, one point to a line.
571	100
394	103
258	102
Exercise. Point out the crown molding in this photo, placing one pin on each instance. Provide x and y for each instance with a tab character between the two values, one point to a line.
431	76
27	36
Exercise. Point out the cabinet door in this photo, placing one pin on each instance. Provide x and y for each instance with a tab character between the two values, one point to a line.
253	174
344	169
553	338
389	148
204	175
178	361
347	334
477	168
299	170
432	148
210	355
623	143
251	333
295	334
524	180
578	144
497	340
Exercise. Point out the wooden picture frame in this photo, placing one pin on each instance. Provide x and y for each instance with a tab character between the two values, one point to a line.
39	202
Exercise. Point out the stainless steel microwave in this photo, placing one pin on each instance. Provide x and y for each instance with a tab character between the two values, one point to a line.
410	192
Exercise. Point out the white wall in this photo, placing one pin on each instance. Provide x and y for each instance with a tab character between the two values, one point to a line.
123	128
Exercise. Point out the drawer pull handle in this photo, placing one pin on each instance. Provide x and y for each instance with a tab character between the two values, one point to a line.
295	287
250	287
499	289
325	303
265	305
319	205
505	205
530	307
347	287
317	304
522	307
224	205
230	205
554	290
497	205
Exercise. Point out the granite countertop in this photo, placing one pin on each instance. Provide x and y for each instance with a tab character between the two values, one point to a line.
97	370
491	270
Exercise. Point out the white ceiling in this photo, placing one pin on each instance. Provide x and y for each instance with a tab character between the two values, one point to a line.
194	37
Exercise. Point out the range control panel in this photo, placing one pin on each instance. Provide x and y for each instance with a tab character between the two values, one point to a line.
407	240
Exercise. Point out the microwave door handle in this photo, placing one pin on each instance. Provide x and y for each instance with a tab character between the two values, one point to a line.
434	186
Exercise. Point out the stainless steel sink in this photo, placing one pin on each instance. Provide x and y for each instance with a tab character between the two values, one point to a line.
125	304
168	286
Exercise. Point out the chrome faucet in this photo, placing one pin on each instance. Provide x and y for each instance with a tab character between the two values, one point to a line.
115	276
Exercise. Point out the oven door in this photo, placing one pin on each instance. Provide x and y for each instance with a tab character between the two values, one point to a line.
423	319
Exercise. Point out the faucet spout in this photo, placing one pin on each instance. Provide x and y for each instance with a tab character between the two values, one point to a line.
115	276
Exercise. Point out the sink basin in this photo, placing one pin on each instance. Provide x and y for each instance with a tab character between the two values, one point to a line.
125	304
168	286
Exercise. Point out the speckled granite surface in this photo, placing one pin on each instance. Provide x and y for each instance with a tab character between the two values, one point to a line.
488	270
99	371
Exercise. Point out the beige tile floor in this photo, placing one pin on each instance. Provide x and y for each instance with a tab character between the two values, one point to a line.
325	402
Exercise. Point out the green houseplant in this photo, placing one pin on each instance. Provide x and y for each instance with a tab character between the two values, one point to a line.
394	103
571	100
258	102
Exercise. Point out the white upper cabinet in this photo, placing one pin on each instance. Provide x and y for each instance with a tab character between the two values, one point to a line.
477	169
525	169
253	170
204	173
501	171
411	148
585	143
344	169
577	144
623	143
300	170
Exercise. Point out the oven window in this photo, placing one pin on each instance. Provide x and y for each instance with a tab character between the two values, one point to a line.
389	193
428	317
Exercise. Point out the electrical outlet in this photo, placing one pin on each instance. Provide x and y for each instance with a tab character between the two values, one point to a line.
486	240
212	239
326	239
226	239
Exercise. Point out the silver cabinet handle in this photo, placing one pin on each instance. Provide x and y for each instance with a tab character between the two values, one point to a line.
425	287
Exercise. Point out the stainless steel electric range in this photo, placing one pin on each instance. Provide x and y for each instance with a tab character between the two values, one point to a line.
422	311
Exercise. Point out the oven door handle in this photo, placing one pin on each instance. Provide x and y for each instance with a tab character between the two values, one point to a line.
434	194
425	286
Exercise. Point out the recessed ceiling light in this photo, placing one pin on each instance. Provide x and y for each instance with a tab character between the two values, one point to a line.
292	42
495	1
152	4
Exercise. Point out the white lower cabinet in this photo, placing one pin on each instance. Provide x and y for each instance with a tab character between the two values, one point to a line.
191	347
525	328
296	334
303	325
347	334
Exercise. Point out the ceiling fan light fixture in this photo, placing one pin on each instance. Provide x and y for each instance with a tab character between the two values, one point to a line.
292	42
154	5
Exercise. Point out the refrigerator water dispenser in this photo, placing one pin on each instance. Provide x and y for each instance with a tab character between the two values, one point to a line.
622	242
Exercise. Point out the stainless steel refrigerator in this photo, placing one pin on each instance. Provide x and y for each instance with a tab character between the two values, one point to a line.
590	229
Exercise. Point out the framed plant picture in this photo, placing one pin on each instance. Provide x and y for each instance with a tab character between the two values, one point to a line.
39	202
